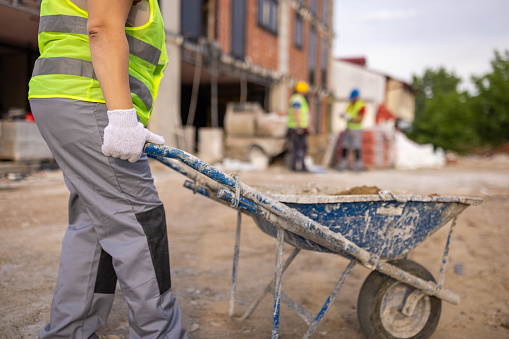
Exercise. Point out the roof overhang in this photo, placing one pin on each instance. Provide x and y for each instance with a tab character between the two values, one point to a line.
21	22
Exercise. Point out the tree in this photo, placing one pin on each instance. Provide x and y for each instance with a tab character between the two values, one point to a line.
461	121
442	114
491	105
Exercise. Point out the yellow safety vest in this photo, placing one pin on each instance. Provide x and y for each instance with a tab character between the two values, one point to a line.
64	68
353	112
303	110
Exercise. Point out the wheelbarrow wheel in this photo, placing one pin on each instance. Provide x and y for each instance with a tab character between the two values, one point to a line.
381	301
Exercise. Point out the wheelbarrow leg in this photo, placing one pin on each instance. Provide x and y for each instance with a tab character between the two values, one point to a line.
330	299
441	276
277	285
268	288
233	287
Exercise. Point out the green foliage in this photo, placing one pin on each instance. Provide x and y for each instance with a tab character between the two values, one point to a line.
460	121
492	102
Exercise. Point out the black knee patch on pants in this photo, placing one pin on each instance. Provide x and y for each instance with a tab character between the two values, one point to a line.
106	281
154	226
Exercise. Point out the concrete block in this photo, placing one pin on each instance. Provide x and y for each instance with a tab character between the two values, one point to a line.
210	144
21	140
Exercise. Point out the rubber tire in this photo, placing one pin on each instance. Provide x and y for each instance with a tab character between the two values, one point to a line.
372	293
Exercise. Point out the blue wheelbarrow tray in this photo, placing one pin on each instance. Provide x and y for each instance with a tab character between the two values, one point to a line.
388	228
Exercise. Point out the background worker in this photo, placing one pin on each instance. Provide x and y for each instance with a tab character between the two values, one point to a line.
352	138
92	90
298	123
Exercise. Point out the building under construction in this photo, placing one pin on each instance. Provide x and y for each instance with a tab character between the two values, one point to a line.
245	51
221	52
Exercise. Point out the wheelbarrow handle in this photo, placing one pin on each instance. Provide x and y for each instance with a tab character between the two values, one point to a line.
191	161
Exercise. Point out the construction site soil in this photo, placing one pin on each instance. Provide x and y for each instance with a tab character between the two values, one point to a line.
33	219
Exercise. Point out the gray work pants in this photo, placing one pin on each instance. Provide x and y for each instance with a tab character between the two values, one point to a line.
351	141
298	148
117	229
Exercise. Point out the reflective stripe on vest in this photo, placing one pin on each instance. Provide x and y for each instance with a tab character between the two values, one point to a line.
65	63
78	25
84	68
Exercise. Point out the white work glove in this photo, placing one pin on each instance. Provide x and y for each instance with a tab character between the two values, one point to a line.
125	136
345	116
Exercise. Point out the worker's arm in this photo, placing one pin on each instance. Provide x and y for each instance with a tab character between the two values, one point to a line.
125	136
360	116
110	50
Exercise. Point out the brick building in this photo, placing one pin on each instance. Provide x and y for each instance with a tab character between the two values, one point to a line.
255	50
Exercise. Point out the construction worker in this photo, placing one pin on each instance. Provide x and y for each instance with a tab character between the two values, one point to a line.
298	123
92	92
352	137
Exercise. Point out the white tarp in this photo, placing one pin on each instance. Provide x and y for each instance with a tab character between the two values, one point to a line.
410	155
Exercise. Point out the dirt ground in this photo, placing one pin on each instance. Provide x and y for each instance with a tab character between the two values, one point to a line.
201	234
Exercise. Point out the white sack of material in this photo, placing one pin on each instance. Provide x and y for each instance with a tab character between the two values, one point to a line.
234	165
410	155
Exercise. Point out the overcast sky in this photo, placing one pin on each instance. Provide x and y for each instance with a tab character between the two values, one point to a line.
404	37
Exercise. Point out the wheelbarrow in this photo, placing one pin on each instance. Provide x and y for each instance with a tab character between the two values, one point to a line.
398	299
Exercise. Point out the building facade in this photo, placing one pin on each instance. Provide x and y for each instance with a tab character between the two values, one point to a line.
252	50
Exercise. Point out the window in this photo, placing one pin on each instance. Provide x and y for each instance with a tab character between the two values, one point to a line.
313	6
299	31
325	12
312	56
325	50
267	14
238	29
191	19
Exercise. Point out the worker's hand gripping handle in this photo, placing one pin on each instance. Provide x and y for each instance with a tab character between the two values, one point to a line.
125	136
